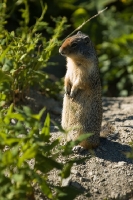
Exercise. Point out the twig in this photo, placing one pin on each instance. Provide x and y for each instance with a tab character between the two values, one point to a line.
79	27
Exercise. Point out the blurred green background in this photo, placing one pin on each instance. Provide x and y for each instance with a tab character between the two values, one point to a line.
111	33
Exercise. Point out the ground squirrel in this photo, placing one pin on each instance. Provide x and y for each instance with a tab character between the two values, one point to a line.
82	104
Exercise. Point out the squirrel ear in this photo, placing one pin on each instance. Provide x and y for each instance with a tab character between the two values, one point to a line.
79	33
87	39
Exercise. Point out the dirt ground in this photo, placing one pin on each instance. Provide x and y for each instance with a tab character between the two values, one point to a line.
108	174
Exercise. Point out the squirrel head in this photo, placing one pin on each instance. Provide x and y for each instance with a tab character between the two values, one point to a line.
78	45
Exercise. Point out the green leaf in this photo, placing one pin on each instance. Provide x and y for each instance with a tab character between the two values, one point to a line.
45	132
29	153
16	116
48	147
18	177
45	164
11	141
7	118
38	116
4	77
46	189
65	193
66	170
23	56
27	110
2	56
6	67
11	115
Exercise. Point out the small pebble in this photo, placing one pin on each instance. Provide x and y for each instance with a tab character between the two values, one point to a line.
66	181
76	184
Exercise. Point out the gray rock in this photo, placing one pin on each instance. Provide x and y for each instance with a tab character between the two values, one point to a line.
76	184
66	181
122	163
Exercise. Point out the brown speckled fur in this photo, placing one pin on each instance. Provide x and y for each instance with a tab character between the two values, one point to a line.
82	104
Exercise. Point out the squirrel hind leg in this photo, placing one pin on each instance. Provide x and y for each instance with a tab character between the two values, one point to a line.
83	147
78	149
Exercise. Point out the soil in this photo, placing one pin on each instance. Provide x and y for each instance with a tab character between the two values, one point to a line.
106	173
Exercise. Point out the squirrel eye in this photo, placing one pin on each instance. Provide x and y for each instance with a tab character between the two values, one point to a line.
74	44
87	40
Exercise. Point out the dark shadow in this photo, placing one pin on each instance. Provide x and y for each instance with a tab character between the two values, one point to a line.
127	126
110	101
113	151
54	129
129	117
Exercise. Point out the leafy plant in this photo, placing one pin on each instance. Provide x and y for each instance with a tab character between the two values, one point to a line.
23	139
115	53
111	33
24	53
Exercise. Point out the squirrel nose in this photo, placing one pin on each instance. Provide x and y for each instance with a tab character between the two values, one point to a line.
61	51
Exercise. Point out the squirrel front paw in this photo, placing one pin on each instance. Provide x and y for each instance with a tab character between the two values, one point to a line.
68	89
73	93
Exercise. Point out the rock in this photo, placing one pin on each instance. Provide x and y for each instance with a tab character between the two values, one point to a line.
95	190
114	194
76	184
13	121
74	171
66	181
90	173
122	163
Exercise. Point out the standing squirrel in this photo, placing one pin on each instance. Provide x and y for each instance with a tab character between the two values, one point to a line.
82	104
